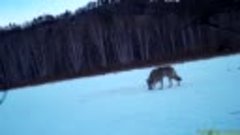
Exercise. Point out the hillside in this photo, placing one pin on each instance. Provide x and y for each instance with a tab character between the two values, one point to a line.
120	104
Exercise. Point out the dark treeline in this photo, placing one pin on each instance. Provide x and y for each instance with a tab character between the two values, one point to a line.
113	35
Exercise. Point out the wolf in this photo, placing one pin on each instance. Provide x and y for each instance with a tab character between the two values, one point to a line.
159	73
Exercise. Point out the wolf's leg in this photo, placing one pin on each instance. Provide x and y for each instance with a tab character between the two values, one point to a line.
170	82
152	86
161	83
178	83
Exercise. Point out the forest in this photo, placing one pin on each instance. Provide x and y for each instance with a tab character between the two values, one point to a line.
114	35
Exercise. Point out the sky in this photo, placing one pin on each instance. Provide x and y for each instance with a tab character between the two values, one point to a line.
20	11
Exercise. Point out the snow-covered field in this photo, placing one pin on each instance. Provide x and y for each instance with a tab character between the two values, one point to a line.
120	104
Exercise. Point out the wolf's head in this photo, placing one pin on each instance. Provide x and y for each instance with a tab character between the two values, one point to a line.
178	78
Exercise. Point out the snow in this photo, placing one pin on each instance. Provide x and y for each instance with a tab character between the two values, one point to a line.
120	104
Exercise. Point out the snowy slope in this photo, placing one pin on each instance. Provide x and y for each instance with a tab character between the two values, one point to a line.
120	104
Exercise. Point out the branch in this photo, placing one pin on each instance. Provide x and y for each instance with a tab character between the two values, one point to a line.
4	96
